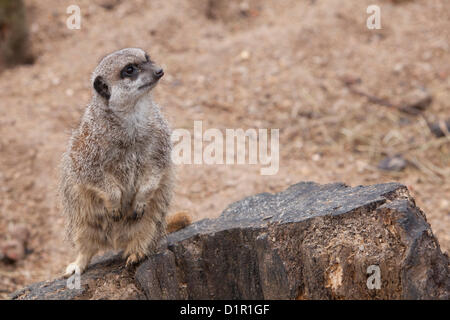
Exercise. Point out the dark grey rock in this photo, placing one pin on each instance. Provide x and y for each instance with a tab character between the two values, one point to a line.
308	242
106	278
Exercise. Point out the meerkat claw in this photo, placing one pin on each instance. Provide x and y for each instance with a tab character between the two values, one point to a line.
132	260
138	211
116	214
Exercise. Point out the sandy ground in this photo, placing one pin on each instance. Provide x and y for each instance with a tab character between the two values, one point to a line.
232	64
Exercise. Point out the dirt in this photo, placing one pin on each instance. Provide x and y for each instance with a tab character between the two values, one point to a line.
286	64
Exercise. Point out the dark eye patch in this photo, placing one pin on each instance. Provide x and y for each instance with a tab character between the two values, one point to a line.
129	71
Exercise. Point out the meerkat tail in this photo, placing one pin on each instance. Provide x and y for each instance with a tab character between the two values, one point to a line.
178	221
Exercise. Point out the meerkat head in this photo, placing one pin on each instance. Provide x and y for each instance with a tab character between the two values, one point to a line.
122	77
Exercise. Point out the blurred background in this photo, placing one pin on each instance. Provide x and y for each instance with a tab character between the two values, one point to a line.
353	105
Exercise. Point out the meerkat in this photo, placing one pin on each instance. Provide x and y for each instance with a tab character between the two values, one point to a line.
117	178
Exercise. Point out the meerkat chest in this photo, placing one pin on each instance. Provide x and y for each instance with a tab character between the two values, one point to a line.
129	164
138	141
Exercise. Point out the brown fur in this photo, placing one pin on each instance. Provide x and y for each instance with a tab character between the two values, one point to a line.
178	221
116	182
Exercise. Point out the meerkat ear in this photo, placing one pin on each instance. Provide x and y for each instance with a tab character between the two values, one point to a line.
101	87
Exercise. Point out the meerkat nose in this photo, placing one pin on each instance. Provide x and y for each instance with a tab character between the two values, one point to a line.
158	73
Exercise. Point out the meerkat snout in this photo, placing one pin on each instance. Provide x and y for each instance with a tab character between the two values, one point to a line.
155	73
158	73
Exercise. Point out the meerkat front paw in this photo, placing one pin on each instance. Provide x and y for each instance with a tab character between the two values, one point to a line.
114	213
112	201
114	209
138	210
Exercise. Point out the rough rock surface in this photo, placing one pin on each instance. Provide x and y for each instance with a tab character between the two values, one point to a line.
308	242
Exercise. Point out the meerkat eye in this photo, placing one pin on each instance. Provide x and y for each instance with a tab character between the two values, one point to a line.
129	71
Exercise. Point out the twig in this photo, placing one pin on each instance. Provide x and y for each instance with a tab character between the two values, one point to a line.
412	109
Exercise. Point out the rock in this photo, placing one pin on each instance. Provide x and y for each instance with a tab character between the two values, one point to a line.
228	11
14	43
108	4
440	128
416	101
308	242
395	163
15	248
12	250
107	278
21	233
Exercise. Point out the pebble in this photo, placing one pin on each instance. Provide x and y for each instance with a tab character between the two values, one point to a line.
244	55
438	128
15	248
395	163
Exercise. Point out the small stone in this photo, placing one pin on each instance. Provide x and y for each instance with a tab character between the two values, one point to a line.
440	128
398	67
445	204
427	55
417	101
244	8
13	250
395	163
21	233
108	4
244	55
